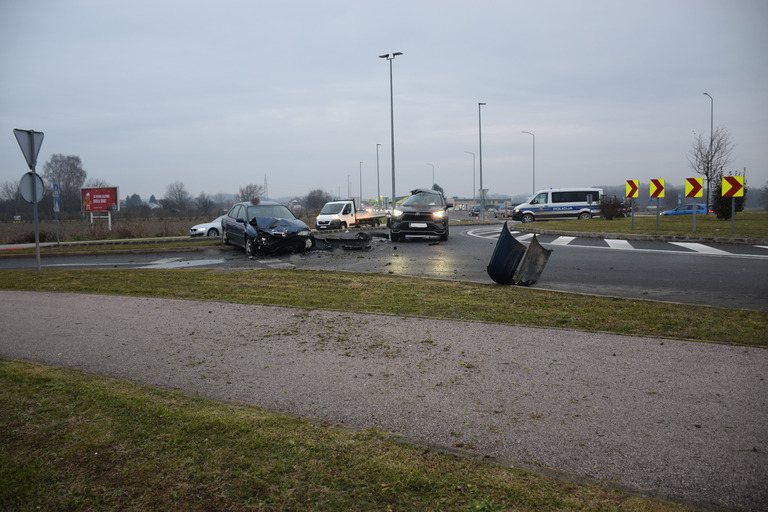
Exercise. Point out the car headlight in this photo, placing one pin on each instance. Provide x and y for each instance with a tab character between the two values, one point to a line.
439	214
306	232
517	210
397	213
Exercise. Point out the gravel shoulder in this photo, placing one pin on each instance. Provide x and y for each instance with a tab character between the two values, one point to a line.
681	419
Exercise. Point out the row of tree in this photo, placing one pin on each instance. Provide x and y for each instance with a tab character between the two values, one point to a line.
708	157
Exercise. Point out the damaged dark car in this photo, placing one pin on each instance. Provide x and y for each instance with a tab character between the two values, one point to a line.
265	227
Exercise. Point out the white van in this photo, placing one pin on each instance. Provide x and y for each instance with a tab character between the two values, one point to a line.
560	203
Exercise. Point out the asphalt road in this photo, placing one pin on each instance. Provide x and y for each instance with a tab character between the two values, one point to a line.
723	275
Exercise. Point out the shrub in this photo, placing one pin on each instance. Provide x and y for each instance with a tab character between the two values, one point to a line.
612	206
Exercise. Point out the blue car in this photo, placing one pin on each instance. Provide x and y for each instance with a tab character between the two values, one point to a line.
265	227
687	209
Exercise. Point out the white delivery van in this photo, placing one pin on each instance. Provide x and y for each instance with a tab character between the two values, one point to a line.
560	203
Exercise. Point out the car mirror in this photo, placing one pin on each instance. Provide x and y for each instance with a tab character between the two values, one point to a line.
449	205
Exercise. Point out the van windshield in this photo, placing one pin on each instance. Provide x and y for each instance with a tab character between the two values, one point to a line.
331	208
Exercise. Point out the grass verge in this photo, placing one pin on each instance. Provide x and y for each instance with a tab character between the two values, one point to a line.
752	224
377	293
77	442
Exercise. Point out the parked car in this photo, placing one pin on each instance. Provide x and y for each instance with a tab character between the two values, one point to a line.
475	211
687	209
506	213
265	227
424	212
212	228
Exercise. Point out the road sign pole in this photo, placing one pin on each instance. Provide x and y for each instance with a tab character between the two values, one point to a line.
695	207
33	165
30	142
733	215
632	207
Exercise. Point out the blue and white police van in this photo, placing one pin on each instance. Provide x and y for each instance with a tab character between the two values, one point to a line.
560	203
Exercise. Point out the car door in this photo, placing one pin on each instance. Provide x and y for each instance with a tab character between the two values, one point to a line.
235	229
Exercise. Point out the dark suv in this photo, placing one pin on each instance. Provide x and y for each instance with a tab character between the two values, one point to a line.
424	212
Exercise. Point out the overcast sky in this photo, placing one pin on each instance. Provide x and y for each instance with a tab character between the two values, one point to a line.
220	94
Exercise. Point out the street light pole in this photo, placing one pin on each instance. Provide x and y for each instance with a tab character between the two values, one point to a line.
361	184
378	181
534	160
433	176
473	173
480	140
392	118
711	137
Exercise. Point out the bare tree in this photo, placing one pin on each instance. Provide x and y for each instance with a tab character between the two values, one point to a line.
314	201
10	197
708	157
249	192
176	197
204	203
96	183
68	172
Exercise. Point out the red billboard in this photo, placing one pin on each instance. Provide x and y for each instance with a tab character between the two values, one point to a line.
99	199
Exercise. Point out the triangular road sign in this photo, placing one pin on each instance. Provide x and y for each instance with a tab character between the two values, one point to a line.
29	142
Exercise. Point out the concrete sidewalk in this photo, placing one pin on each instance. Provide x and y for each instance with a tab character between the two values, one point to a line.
682	419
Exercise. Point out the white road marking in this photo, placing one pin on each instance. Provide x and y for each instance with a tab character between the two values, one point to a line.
562	240
700	248
618	244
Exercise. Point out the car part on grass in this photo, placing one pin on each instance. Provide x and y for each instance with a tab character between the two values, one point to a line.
511	263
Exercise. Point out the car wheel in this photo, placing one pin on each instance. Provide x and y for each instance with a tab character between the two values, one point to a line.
394	237
527	218
343	225
251	247
585	216
444	236
213	232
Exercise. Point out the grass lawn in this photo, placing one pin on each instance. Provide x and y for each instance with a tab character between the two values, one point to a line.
78	442
751	224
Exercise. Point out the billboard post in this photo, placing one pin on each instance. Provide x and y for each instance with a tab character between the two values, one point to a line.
100	199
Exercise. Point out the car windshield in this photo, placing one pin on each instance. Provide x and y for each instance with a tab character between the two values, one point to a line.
277	211
426	198
331	208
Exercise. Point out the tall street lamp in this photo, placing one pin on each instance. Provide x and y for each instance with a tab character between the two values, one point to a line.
392	118
473	173
378	182
361	184
534	160
711	137
480	139
433	175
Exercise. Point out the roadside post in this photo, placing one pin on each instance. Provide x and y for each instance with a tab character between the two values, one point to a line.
56	208
657	192
633	189
733	187
31	185
694	187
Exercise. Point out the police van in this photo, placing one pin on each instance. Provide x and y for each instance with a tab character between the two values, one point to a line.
560	203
